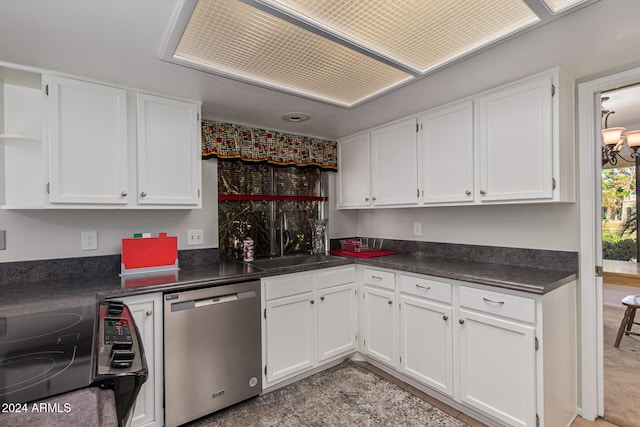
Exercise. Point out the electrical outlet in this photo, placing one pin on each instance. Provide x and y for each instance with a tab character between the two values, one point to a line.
89	240
417	229
195	237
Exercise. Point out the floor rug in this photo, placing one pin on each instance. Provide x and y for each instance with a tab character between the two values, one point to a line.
345	395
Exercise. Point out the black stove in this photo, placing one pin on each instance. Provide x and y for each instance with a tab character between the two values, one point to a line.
50	353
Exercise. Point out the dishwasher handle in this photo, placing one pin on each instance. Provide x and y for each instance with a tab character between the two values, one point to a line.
205	302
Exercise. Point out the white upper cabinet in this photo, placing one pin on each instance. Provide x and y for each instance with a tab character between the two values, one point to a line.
499	146
446	146
516	141
87	142
169	168
354	172
73	144
379	168
394	164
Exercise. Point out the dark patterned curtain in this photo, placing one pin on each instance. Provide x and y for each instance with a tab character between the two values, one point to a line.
230	141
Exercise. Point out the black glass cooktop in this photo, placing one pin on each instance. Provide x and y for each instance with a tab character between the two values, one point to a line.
45	354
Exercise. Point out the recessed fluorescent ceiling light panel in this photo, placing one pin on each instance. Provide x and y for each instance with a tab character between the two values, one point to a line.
337	51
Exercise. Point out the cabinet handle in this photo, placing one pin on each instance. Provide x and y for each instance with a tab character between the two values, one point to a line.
483	192
149	313
426	288
390	302
468	192
488	301
461	321
123	194
143	194
445	317
312	302
321	298
376	277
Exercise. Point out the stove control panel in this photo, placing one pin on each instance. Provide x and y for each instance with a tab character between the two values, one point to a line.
119	347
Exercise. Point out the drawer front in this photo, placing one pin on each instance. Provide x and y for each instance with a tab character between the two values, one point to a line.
510	306
426	288
327	279
381	279
286	286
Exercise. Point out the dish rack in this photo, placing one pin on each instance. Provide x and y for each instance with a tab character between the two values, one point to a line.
361	245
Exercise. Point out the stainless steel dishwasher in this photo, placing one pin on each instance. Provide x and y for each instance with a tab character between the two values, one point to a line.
212	349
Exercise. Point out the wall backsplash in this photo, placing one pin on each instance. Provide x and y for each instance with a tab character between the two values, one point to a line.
85	267
536	258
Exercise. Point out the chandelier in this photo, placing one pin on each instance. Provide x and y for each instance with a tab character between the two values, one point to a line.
613	140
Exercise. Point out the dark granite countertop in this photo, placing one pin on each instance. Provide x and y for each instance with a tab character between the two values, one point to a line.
49	295
526	279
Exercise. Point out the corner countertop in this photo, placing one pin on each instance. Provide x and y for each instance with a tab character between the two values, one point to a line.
49	295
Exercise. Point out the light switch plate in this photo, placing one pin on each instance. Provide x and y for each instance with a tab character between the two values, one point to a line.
195	237
3	239
417	229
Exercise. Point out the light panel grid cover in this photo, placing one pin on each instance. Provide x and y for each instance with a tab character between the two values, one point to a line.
234	38
422	34
560	5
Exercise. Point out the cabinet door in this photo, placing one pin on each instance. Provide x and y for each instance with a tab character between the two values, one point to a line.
379	324
336	321
497	367
147	313
394	164
516	142
169	152
87	142
447	154
291	335
426	342
353	180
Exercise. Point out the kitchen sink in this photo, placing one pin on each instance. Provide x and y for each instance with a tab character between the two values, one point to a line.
291	261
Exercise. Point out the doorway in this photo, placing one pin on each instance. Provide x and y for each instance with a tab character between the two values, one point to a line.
591	287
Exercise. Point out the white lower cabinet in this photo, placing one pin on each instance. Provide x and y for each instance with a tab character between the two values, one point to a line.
379	325
426	332
290	335
498	367
309	319
336	321
147	313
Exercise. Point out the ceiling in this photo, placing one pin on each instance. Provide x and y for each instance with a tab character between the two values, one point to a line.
122	41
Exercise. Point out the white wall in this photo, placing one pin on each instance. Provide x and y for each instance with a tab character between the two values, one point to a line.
44	234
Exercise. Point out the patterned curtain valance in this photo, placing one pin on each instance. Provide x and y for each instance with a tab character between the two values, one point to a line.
230	141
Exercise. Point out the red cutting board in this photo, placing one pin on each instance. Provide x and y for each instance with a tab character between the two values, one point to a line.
149	251
367	254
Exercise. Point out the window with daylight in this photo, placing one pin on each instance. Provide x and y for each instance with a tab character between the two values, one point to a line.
271	204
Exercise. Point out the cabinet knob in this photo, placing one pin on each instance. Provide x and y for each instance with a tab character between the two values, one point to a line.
321	298
149	313
143	194
468	192
366	199
123	194
461	321
312	302
374	199
483	192
445	317
390	302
